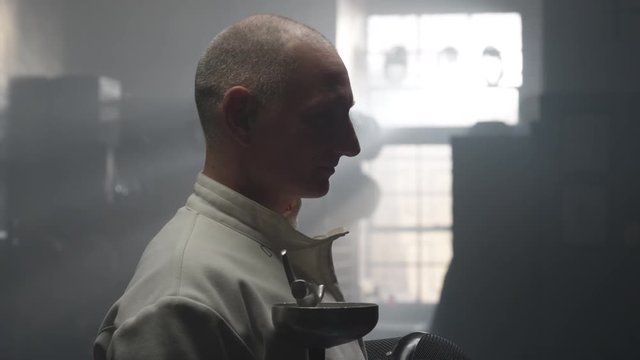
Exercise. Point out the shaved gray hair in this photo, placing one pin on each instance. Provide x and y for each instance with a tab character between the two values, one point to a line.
250	53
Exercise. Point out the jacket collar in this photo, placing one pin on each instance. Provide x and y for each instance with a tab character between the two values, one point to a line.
265	226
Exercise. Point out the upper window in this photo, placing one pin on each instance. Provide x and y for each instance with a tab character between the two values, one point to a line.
6	29
446	70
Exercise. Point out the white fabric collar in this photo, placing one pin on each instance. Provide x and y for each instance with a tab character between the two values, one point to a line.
267	227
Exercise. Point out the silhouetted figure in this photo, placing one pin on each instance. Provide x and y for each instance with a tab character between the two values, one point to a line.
273	98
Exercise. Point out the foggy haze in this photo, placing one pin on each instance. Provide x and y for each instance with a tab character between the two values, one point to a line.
495	202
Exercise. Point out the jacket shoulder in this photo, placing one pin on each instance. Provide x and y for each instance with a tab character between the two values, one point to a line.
173	327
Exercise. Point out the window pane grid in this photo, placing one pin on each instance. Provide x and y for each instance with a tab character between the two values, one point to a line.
408	238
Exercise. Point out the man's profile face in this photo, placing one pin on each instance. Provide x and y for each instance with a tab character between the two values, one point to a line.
299	142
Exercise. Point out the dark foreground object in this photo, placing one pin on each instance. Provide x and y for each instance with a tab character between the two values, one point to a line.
414	346
324	326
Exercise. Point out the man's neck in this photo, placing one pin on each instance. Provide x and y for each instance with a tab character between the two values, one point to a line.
269	199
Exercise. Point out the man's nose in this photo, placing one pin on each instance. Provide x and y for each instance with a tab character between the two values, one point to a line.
347	143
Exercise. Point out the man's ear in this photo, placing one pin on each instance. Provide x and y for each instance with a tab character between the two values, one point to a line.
238	108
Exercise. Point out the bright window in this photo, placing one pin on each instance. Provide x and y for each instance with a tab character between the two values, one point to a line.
446	70
440	73
6	34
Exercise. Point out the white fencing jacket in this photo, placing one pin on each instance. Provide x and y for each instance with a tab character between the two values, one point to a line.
205	284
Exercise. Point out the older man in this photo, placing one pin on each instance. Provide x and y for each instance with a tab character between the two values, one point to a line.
273	98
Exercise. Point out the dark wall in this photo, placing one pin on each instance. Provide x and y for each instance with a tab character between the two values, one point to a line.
591	45
546	226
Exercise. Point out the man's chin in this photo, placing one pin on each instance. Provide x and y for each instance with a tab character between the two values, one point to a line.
316	191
